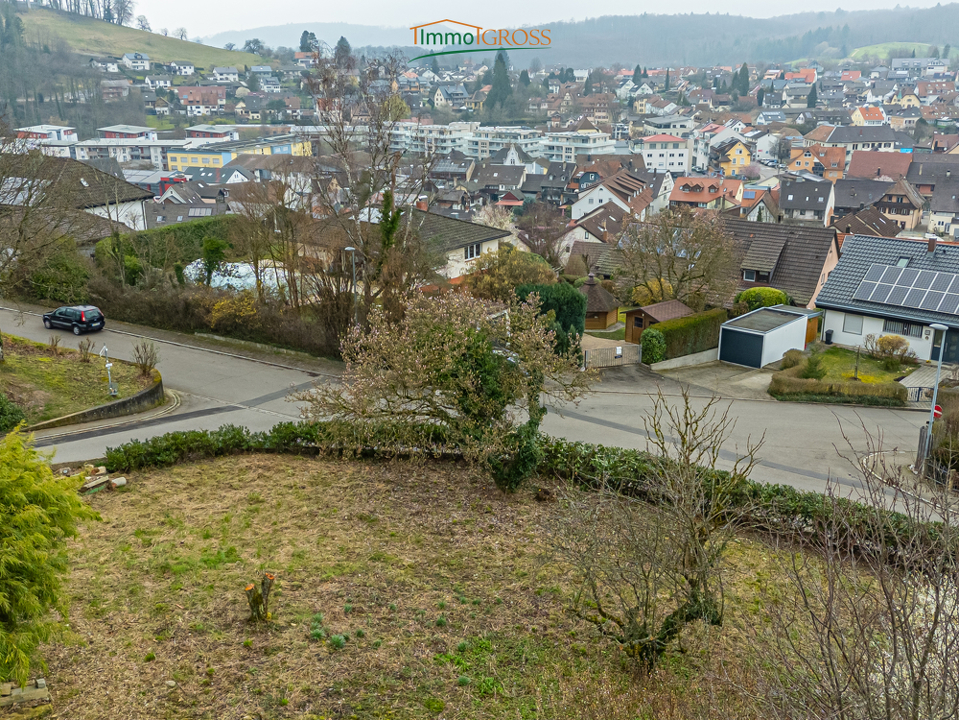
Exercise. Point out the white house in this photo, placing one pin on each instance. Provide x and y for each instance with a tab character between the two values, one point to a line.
226	74
665	153
894	286
182	68
155	82
136	61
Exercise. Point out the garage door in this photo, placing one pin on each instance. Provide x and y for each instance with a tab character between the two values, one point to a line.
740	348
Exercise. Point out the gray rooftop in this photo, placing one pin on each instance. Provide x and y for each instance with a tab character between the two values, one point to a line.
763	320
861	252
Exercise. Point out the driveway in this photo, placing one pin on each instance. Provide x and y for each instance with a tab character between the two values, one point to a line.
731	381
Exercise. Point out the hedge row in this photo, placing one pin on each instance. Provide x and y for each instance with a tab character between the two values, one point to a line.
787	385
693	333
777	510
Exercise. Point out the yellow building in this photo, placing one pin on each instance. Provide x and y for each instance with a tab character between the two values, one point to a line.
219	154
732	157
907	99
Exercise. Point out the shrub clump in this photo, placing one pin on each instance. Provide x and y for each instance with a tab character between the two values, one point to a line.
11	414
654	345
760	297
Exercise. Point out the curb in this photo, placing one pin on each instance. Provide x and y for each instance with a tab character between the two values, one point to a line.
166	409
192	347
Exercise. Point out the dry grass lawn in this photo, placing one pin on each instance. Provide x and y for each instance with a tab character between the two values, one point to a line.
440	586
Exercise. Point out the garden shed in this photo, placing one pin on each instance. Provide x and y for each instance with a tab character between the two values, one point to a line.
762	336
638	319
602	308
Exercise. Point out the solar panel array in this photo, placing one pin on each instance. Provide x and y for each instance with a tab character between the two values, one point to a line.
910	288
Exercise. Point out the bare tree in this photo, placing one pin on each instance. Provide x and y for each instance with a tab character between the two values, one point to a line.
143	23
180	33
543	228
164	32
123	11
364	194
871	627
683	256
649	555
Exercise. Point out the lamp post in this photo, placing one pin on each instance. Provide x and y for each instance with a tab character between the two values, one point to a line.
352	251
936	327
105	354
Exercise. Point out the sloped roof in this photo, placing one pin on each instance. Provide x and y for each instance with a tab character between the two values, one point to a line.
929	168
763	255
666	310
860	252
85	186
874	164
598	298
868	221
448	234
607	219
945	198
803	253
805	195
604	259
856	192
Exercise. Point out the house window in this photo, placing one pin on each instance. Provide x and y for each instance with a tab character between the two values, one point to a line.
473	251
902	328
749	275
852	324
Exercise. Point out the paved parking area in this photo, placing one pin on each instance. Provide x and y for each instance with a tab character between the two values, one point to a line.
730	381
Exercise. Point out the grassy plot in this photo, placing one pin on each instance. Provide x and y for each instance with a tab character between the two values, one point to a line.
840	364
47	385
883	50
97	37
402	591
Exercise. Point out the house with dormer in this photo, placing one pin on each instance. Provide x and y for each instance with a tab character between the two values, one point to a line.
807	201
826	162
626	191
708	193
136	61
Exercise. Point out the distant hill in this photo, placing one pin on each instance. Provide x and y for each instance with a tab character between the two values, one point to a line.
883	50
89	36
691	39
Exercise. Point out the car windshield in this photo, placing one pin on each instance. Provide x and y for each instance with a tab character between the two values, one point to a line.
93	314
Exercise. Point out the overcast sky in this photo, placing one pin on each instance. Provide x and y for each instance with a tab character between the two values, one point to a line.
209	18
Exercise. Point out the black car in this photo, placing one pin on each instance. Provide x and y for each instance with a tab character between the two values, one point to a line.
78	318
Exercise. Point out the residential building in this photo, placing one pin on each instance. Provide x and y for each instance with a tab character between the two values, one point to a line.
182	68
876	165
136	151
894	286
483	142
926	170
731	157
127	132
868	221
855	194
796	259
565	146
156	82
807	201
869	117
706	192
944	209
927	67
35	135
214	132
220	153
666	153
226	74
678	125
624	190
828	163
136	61
202	100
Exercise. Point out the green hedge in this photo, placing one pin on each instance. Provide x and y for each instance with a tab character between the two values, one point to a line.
566	301
788	384
777	510
693	333
654	346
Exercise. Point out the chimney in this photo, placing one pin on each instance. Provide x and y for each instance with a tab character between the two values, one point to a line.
948	173
421	203
932	245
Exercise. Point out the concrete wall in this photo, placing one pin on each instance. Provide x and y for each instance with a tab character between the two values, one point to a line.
143	400
700	358
835	319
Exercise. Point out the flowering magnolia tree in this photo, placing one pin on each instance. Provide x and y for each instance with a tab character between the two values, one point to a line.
476	372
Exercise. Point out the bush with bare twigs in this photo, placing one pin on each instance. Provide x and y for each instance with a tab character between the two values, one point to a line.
145	356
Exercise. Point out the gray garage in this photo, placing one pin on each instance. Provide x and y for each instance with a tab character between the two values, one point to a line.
762	336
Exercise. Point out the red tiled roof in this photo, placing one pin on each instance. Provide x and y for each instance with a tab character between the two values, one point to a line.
873	164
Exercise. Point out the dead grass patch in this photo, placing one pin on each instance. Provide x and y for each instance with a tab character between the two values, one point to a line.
439	583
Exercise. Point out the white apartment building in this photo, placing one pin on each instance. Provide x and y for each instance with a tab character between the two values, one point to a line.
39	135
565	146
485	141
441	139
665	153
133	150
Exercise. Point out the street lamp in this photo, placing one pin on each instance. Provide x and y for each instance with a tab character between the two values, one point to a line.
936	327
352	251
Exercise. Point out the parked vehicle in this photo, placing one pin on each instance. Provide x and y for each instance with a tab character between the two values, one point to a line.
78	318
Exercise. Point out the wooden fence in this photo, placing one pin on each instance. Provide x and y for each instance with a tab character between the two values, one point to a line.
625	354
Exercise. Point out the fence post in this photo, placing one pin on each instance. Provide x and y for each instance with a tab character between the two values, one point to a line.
921	453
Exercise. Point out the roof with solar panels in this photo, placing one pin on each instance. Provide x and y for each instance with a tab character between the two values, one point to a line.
915	280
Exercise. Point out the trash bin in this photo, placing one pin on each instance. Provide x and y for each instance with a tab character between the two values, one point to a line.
828	337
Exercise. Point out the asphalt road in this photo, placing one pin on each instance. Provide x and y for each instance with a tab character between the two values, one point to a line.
802	443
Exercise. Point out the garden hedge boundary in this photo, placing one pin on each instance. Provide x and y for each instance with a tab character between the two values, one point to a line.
788	385
775	510
693	333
